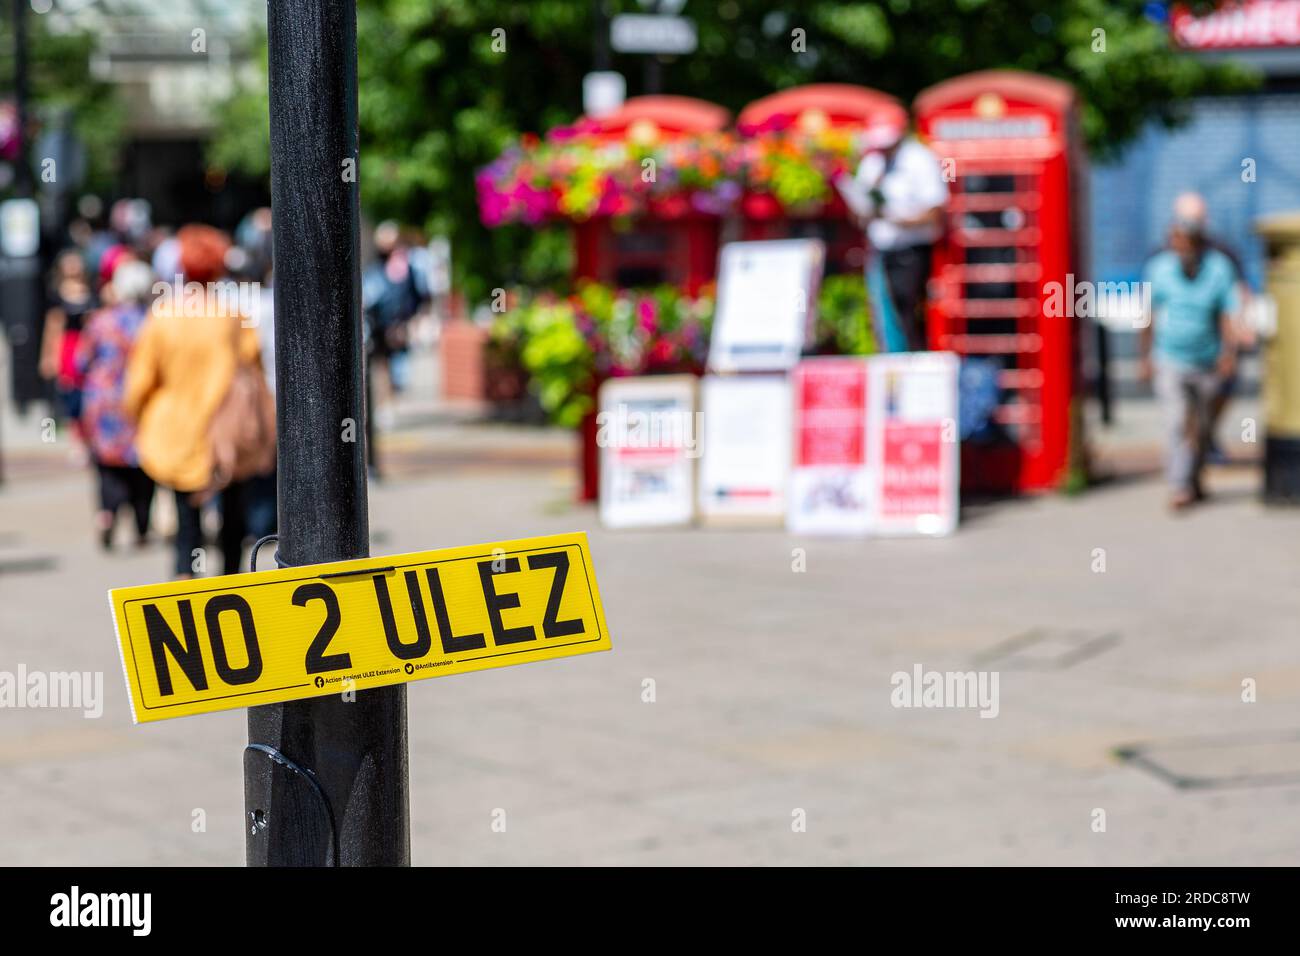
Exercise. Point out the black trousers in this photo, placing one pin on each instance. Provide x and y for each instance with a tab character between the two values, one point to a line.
189	530
906	272
124	485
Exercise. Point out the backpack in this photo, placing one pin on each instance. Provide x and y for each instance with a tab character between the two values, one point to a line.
242	430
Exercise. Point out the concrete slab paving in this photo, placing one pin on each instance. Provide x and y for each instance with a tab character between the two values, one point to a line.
772	687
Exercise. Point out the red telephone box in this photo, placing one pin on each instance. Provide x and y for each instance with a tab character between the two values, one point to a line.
1010	147
673	244
809	109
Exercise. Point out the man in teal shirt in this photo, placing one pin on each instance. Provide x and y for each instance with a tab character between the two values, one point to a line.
1193	297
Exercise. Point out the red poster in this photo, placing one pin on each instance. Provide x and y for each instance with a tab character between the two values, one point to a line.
912	442
830	484
911	472
832	413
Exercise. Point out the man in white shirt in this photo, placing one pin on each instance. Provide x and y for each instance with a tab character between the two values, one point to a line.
900	194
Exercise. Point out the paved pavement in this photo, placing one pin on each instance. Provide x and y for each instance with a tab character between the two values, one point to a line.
772	686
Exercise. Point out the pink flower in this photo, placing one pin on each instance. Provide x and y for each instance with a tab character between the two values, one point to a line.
647	319
532	205
611	201
493	205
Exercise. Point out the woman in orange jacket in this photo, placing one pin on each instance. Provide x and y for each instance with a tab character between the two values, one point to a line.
180	370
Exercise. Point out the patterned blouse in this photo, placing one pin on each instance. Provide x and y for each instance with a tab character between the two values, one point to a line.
105	345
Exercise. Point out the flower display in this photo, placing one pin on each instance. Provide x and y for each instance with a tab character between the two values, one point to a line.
796	164
576	176
567	345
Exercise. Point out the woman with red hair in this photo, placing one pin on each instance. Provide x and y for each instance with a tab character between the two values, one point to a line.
183	366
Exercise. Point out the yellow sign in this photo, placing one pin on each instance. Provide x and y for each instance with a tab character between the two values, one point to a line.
190	647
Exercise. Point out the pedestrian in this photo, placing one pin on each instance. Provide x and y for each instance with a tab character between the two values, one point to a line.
97	236
105	345
1193	298
899	193
391	296
188	386
1192	207
72	301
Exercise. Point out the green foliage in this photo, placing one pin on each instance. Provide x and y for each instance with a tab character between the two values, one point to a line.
547	260
59	80
559	362
243	138
568	345
437	102
843	317
797	183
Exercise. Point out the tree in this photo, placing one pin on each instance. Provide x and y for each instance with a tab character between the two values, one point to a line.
60	81
446	85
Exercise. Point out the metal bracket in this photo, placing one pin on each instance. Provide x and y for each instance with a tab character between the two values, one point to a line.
296	795
257	546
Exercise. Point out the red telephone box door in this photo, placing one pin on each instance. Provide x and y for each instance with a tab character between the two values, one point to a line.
1008	144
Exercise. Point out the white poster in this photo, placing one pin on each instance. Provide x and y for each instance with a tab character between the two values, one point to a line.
913	444
649	440
767	292
830	482
20	228
746	445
